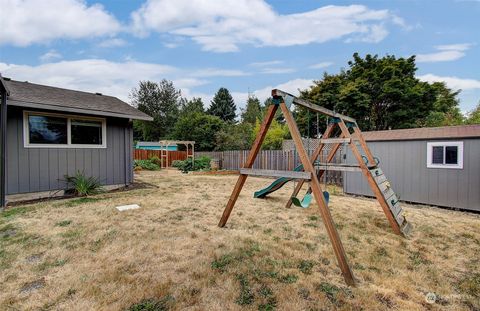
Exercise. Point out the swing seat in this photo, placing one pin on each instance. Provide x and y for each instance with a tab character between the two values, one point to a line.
307	199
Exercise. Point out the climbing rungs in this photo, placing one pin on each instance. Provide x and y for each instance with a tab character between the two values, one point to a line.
376	172
335	140
275	173
406	228
338	167
380	179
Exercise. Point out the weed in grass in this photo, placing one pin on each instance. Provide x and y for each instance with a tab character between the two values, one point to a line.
246	296
288	278
470	285
63	223
71	234
353	238
12	212
385	300
418	259
46	265
304	293
311	224
153	304
270	302
306	266
330	290
83	200
221	263
268	231
381	252
313	218
358	266
7	232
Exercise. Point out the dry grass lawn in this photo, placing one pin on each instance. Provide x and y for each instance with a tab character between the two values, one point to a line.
82	254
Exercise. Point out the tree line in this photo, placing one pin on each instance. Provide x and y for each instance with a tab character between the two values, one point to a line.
380	93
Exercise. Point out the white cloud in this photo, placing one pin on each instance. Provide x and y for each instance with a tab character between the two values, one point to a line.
452	82
279	70
32	21
113	78
445	53
321	65
215	72
112	43
91	75
267	63
223	26
291	86
50	55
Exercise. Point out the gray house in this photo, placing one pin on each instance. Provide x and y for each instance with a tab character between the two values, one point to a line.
49	132
436	166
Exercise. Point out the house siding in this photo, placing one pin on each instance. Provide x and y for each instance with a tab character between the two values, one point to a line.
43	169
405	165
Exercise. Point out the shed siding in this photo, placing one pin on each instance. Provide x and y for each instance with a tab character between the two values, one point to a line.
405	165
43	169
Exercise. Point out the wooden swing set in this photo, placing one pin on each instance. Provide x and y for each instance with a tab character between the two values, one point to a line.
351	135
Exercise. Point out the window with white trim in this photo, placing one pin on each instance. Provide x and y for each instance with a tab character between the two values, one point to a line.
445	154
50	130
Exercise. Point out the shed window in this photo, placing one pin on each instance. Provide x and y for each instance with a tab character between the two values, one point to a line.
445	154
49	130
86	132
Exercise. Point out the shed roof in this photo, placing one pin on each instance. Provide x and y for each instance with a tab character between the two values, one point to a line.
150	144
444	132
31	95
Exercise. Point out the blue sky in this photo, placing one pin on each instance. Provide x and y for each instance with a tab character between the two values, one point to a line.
244	45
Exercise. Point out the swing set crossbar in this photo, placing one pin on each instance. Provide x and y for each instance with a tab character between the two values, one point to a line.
276	93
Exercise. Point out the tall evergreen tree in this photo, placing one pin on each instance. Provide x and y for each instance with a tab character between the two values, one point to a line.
160	101
252	111
191	106
223	106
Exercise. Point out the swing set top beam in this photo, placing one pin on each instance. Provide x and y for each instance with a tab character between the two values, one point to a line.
297	101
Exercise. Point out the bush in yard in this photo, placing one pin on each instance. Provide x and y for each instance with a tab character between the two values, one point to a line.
156	160
200	164
80	185
147	165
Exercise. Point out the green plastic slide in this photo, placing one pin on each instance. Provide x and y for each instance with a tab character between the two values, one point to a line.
274	186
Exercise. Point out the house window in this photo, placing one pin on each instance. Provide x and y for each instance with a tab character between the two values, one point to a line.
445	154
50	130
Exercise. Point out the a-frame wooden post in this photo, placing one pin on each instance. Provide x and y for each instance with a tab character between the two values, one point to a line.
248	164
319	198
373	185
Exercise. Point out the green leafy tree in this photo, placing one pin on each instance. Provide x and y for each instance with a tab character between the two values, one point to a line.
235	137
190	106
381	93
223	106
159	100
473	116
275	136
199	127
252	111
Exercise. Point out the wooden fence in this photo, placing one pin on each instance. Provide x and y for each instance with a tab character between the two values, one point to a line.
140	154
271	160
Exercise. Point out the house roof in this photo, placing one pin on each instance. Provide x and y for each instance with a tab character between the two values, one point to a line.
444	132
31	95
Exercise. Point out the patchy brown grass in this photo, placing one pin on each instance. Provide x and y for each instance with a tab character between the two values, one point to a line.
82	254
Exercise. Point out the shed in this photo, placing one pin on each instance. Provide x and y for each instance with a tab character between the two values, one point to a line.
49	132
436	166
